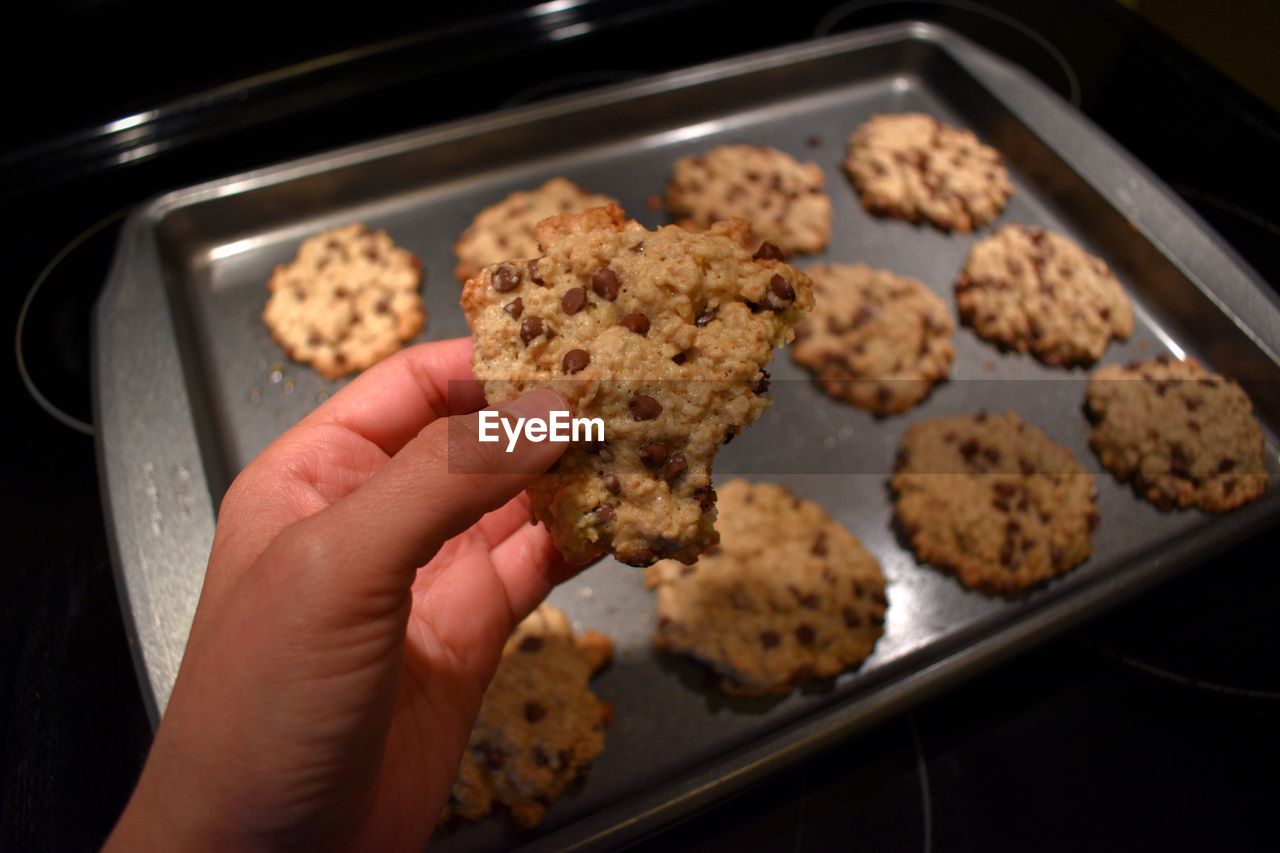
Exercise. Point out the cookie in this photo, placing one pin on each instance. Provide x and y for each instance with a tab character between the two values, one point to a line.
993	501
664	335
539	727
789	595
1032	290
875	339
781	198
348	300
914	167
505	230
1182	435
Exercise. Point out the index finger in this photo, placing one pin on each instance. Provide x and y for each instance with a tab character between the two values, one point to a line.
392	401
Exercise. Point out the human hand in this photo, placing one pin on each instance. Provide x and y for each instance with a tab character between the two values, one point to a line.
355	605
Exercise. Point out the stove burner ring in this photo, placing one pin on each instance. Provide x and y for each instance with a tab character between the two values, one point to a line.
833	18
42	401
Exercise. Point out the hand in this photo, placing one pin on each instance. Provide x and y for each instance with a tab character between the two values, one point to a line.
355	605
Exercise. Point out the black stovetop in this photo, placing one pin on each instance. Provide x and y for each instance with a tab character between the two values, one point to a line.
1150	726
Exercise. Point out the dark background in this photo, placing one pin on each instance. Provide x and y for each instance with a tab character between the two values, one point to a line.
1151	726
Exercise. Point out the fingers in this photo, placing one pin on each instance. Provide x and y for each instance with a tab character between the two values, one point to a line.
392	401
336	448
442	482
529	566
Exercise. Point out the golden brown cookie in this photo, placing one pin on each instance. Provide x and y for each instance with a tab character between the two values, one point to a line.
789	595
348	300
505	230
540	726
1182	435
781	197
1033	290
662	334
914	167
875	339
993	501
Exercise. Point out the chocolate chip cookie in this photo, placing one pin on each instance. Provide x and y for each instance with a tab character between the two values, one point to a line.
914	167
993	501
875	339
505	230
1032	290
662	334
540	726
789	595
781	197
1182	435
348	300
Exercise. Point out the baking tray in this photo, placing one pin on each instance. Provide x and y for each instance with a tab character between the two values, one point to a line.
189	386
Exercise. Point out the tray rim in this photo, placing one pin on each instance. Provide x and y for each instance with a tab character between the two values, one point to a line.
1164	219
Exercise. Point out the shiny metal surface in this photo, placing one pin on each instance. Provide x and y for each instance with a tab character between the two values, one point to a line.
189	386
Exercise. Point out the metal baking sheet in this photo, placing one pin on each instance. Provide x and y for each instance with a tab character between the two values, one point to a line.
189	387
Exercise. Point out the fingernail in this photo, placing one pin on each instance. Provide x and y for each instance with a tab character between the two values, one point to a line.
536	404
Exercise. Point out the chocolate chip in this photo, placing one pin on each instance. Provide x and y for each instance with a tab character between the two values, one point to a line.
782	288
637	323
1226	465
819	548
534	275
851	618
680	357
706	498
602	513
638	247
653	455
515	308
573	301
675	468
605	283
807	600
769	639
534	712
530	329
531	644
805	635
643	407
611	484
1026	467
493	756
539	756
762	385
768	252
575	361
506	277
707	315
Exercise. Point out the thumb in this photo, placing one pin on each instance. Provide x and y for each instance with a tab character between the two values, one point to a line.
372	542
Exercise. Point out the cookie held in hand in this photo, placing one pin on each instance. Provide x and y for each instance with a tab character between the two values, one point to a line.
664	335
